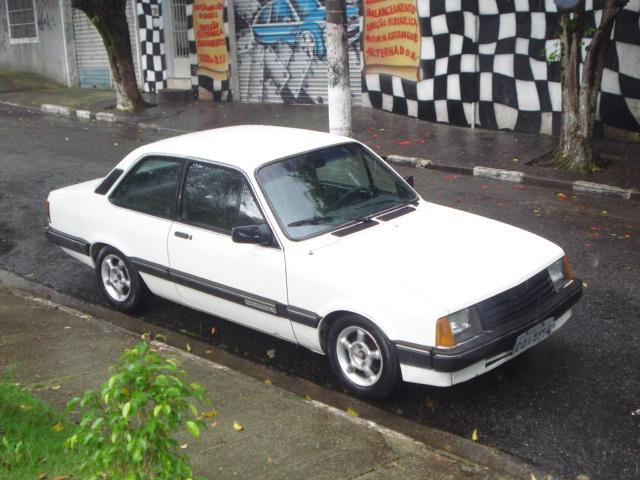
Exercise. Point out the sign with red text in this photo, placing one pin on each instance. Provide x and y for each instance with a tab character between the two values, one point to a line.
392	38
211	43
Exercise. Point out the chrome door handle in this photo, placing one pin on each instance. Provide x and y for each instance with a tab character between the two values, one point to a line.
186	236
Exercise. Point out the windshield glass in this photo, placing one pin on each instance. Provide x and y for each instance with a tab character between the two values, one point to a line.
321	190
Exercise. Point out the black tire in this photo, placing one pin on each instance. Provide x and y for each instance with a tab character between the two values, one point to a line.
355	343
119	281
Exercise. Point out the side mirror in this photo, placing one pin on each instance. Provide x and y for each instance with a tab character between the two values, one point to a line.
255	234
409	180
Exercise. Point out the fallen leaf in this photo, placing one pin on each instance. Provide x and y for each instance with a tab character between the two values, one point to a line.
533	477
515	160
211	414
115	144
604	212
271	353
584	284
61	477
626	235
237	427
269	461
66	139
214	424
25	407
404	142
208	351
431	404
188	347
474	435
57	427
308	398
562	196
67	327
54	387
268	381
352	412
42	476
184	445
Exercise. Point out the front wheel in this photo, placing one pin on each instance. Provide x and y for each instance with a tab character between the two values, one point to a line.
119	282
362	358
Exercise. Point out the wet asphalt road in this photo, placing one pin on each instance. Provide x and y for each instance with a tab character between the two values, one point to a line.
566	405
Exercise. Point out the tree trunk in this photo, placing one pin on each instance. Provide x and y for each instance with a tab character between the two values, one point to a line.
580	99
339	91
110	20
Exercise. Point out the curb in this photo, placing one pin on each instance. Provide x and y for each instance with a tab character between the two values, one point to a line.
61	110
580	186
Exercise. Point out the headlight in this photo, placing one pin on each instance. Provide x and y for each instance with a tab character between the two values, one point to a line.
561	273
458	327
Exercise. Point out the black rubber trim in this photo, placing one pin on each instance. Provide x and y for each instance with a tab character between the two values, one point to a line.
304	317
67	241
490	343
412	354
151	268
355	228
395	214
108	181
297	315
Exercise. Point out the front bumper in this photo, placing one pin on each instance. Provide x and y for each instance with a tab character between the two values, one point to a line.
491	348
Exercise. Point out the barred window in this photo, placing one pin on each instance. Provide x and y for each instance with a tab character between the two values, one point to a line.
22	21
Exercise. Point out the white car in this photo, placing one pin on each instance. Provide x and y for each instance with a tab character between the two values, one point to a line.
314	239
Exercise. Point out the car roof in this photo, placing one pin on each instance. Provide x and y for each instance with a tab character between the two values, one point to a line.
244	146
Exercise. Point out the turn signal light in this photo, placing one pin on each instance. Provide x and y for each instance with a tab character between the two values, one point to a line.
444	335
566	268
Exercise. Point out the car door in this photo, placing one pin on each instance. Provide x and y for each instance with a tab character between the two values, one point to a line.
138	223
244	283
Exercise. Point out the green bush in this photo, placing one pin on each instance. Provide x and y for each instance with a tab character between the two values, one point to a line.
127	425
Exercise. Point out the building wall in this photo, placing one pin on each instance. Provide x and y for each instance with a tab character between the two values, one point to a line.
483	62
44	57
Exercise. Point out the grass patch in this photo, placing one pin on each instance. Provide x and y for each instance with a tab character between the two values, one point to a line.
32	437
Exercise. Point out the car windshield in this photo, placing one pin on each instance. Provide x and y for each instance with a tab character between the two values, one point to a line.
318	191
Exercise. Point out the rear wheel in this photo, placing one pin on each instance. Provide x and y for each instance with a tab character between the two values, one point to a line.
119	281
362	357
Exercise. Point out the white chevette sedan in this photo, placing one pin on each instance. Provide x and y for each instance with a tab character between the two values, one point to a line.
313	238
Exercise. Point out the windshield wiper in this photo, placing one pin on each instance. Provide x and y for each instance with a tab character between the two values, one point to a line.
328	219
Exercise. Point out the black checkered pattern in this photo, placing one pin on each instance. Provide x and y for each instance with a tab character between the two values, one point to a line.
514	86
219	91
152	49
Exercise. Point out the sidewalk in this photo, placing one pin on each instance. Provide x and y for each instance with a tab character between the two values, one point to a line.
60	353
497	154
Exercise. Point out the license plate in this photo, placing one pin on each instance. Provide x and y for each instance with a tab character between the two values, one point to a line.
534	335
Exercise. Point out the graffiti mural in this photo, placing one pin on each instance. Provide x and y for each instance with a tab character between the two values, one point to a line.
282	51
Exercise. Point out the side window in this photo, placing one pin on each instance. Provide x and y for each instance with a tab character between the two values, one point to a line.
248	211
381	178
211	195
150	187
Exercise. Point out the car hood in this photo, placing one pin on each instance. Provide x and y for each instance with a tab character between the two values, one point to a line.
453	257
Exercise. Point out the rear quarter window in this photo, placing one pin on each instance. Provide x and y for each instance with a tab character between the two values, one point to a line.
150	187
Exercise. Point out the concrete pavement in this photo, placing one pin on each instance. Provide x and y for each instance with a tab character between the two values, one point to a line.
59	353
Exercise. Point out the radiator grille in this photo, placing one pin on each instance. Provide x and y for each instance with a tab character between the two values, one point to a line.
512	306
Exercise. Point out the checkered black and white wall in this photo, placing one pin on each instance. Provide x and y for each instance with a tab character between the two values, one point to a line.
485	59
152	48
205	87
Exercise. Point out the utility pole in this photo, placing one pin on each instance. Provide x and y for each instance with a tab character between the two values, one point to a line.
338	64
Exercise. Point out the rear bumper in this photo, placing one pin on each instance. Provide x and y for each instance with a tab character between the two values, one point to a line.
69	242
487	351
